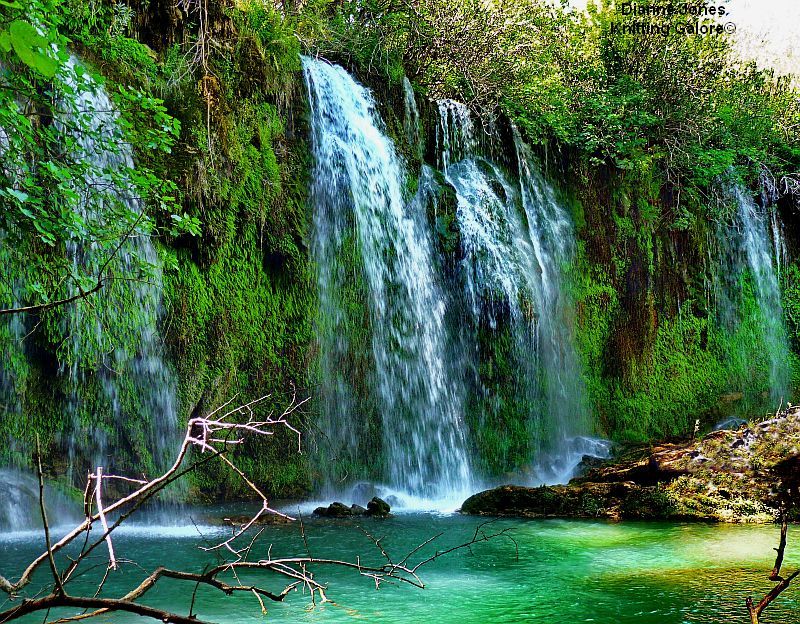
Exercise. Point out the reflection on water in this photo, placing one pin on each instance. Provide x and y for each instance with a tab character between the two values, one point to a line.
567	571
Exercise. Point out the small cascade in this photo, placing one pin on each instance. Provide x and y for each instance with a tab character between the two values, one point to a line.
120	395
779	248
364	222
19	504
517	241
456	138
115	341
747	289
411	119
756	245
553	237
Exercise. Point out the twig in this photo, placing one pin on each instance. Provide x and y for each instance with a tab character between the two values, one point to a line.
43	510
101	512
755	610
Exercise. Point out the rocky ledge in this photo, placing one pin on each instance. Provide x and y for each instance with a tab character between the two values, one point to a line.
740	475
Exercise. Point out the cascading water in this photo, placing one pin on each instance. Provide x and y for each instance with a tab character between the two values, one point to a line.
411	118
748	289
120	390
553	236
19	503
117	336
516	241
360	209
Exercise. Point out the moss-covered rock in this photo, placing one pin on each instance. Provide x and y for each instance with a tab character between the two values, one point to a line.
729	476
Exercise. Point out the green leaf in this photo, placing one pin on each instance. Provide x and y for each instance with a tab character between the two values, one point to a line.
19	195
31	47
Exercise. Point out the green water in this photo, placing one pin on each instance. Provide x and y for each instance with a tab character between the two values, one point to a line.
566	571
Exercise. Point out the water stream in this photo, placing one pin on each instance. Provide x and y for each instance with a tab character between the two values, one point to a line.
747	287
361	210
121	392
518	241
374	241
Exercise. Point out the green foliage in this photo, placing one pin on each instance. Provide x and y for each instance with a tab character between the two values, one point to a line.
30	47
648	125
679	107
51	184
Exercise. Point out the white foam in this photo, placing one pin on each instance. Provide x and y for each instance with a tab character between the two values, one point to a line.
401	502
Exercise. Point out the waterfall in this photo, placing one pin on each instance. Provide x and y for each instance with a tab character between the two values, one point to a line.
120	401
365	228
748	289
517	241
373	243
553	235
115	339
19	503
456	138
411	119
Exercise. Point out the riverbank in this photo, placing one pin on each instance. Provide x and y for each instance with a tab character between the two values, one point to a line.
727	475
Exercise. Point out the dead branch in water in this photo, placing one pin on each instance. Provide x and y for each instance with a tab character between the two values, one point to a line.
755	610
211	436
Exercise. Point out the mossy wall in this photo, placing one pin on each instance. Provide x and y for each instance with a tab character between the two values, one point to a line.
659	357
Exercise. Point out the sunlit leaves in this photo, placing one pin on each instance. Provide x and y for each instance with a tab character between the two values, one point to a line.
66	178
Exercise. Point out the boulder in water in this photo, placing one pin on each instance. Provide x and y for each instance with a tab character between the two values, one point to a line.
378	508
587	500
334	510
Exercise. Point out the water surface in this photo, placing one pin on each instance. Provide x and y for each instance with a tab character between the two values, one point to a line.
565	571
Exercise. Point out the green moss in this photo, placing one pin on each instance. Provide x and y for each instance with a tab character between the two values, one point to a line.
244	301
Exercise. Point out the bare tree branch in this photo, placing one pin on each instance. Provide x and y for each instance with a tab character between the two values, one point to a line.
755	610
45	524
211	436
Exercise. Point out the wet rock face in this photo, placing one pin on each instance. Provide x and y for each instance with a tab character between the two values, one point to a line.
376	508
